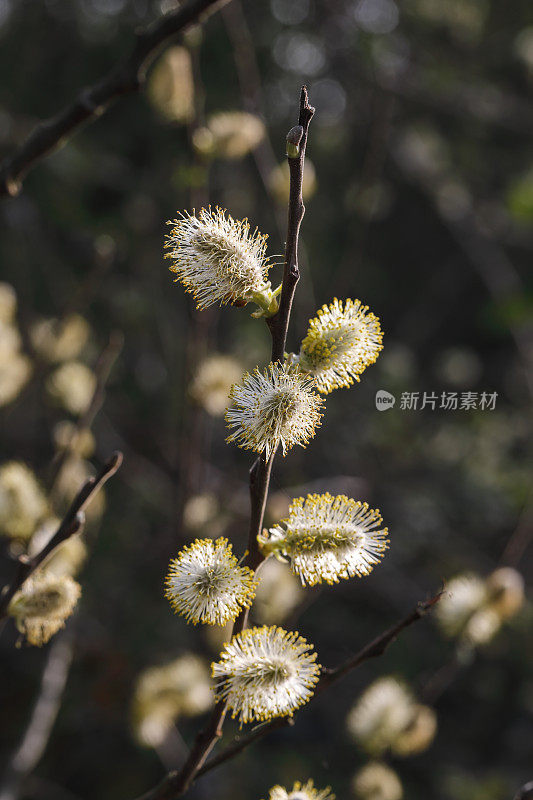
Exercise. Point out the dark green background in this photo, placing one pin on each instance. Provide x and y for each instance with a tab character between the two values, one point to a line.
430	104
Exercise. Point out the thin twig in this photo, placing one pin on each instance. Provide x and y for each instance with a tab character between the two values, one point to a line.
240	743
378	646
176	783
44	714
279	323
94	101
521	537
442	679
329	676
71	524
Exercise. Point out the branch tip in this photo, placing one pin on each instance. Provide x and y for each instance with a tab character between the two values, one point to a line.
115	461
72	522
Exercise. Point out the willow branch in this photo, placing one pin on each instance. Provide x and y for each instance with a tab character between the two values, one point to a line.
94	101
176	783
378	646
374	649
43	717
242	742
72	522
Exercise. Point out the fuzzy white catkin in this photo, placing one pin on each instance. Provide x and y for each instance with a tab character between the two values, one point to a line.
265	672
274	407
327	538
218	259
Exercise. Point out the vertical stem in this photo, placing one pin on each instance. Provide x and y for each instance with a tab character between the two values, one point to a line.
175	784
279	324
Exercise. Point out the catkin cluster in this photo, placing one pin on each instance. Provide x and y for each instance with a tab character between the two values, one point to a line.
265	672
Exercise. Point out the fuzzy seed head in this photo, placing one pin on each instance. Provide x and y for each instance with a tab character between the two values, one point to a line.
464	596
301	791
217	258
419	733
376	781
382	712
474	608
212	383
181	688
8	302
274	407
233	134
22	501
327	538
15	370
341	342
465	611
386	716
43	604
505	590
60	340
72	385
206	584
265	672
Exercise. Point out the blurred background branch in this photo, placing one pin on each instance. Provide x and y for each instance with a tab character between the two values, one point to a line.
94	101
33	744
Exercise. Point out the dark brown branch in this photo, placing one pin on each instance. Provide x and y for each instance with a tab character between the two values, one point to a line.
71	524
279	323
242	742
93	101
176	783
329	676
378	646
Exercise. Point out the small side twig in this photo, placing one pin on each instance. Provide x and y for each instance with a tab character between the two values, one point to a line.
92	102
378	646
45	710
71	524
521	537
374	649
242	742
